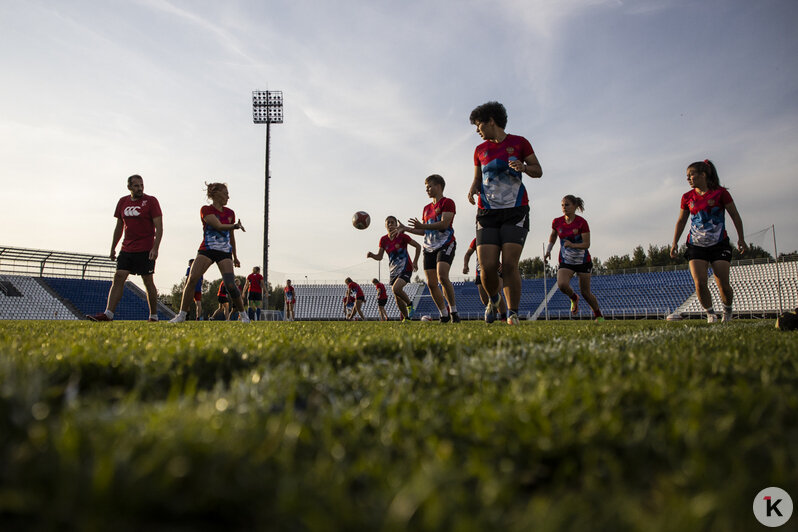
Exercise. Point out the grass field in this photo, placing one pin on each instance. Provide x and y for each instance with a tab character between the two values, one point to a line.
641	425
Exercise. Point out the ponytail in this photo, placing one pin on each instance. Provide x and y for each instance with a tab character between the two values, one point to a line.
709	170
580	204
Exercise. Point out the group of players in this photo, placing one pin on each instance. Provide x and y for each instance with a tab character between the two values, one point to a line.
502	225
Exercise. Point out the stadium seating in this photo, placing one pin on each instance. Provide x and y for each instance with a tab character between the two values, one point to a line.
27	299
756	290
325	301
89	296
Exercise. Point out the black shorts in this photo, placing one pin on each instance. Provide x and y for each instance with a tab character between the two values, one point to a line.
255	296
222	299
496	227
578	268
720	251
137	263
405	276
361	298
442	254
382	302
214	255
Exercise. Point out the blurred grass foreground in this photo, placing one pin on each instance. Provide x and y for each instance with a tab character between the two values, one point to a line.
619	426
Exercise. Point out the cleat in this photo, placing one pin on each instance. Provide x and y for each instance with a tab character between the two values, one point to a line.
178	319
600	319
575	304
727	317
712	318
410	310
152	320
446	319
244	318
512	319
455	317
98	317
490	310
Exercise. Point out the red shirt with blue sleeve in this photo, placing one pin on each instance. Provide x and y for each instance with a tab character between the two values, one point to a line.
434	239
213	239
382	293
502	187
707	216
572	232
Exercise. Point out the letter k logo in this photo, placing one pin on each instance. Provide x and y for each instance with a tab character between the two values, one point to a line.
773	507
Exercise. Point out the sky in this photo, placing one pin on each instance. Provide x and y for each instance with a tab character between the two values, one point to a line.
616	97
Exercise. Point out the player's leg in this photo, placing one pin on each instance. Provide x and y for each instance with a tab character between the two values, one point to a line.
359	308
699	271
511	275
233	292
564	276
402	299
442	270
489	267
502	300
198	268
587	294
152	296
117	289
198	302
721	269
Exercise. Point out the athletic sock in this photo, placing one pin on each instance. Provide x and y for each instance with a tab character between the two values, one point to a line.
183	314
453	309
710	310
727	309
153	317
109	314
257	313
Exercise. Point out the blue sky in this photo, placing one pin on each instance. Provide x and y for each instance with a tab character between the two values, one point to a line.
616	97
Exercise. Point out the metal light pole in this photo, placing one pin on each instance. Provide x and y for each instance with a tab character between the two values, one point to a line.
267	108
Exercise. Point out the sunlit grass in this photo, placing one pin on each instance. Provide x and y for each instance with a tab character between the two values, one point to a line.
553	426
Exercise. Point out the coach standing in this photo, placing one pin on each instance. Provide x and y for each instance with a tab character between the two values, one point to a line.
139	217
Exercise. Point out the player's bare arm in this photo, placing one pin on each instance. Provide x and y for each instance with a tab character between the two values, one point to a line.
585	244
530	166
118	230
375	256
475	184
156	243
677	233
737	220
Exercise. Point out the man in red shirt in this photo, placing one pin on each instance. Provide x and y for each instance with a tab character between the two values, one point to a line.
139	217
254	290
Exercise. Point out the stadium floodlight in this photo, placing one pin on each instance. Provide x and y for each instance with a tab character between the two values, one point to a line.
267	108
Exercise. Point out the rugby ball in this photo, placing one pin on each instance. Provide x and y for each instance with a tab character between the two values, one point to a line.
361	220
426	318
674	317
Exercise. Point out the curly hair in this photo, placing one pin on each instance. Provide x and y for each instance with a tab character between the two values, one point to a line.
486	111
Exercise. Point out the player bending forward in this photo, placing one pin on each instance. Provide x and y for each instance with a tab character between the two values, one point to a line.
401	267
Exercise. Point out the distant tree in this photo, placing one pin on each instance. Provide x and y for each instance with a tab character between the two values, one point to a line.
638	257
276	297
598	266
616	262
533	268
754	252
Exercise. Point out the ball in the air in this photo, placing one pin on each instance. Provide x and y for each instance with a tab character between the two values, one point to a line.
361	220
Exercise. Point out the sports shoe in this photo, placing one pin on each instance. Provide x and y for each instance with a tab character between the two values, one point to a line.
410	310
600	319
98	317
244	318
575	304
727	317
179	318
490	311
152	320
446	319
455	317
512	318
712	318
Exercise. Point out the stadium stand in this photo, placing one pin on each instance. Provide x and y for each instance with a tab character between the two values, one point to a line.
325	301
756	290
39	284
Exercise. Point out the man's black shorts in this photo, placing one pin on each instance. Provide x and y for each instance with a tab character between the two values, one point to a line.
720	251
502	226
578	268
382	302
214	255
137	263
254	296
442	254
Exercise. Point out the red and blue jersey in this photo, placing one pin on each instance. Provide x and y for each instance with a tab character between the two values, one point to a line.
572	232
502	187
289	294
398	258
254	283
707	216
138	217
434	239
382	293
213	239
355	291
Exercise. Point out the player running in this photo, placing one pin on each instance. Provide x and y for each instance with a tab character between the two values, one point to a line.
289	296
503	205
353	290
382	298
255	289
401	267
219	246
707	242
197	291
439	246
139	217
483	296
574	235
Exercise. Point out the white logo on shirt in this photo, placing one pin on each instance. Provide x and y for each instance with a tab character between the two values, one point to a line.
132	211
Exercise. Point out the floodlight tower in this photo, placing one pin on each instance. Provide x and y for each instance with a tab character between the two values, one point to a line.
267	108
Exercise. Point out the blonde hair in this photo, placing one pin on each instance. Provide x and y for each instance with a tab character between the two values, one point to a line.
212	188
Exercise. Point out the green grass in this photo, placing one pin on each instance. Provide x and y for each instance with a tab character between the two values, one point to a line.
368	426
